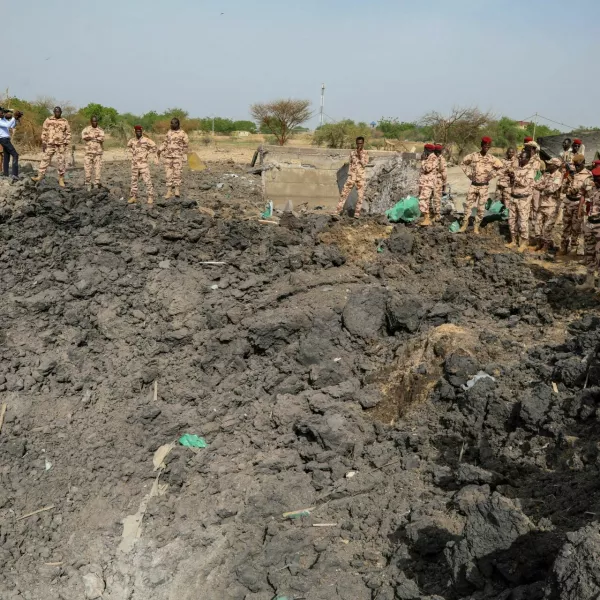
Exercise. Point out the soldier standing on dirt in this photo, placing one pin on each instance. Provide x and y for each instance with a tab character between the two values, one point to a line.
591	234
549	187
504	185
56	139
8	122
141	148
539	166
357	176
427	181
480	167
93	136
522	179
174	150
576	187
440	181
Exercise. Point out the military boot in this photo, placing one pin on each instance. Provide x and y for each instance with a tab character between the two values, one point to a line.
588	284
150	200
38	178
177	192
132	200
564	248
61	181
464	226
512	244
169	194
523	246
476	228
89	187
426	221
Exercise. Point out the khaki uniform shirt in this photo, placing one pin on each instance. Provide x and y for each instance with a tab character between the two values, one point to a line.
479	168
141	150
93	138
56	132
175	144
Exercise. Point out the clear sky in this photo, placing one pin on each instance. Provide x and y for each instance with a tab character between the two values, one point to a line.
389	58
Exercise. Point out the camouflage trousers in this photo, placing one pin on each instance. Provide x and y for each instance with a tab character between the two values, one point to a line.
477	196
547	216
572	223
61	159
518	218
535	213
141	171
591	241
173	170
504	193
355	179
92	164
426	191
437	198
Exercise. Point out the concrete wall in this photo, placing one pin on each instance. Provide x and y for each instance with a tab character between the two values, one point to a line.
310	175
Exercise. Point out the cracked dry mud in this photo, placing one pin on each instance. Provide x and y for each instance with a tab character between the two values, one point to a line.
323	374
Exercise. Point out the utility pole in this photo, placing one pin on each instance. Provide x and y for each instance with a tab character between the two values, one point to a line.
322	105
213	121
534	125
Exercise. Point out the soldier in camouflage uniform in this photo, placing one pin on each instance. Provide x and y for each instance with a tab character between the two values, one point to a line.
577	186
480	167
523	180
549	187
56	139
174	151
591	234
428	179
141	148
504	185
93	136
539	166
357	176
440	182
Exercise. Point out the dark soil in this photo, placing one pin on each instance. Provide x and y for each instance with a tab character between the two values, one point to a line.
321	378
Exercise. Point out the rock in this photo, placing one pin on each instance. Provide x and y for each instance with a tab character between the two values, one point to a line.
164	264
104	239
576	572
476	475
403	313
369	397
172	235
460	368
94	586
364	313
401	240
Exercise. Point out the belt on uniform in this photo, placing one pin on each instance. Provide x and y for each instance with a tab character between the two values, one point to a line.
573	198
520	195
594	220
475	183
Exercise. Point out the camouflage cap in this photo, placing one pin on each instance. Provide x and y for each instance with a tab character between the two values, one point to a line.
578	159
555	162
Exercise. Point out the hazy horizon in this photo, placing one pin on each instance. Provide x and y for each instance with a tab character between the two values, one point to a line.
387	59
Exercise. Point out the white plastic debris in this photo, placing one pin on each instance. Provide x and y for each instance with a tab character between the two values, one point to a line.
214	287
48	465
350	474
478	377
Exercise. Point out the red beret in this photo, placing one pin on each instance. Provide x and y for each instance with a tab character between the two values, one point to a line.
486	140
429	147
528	139
577	142
438	147
596	172
138	128
596	162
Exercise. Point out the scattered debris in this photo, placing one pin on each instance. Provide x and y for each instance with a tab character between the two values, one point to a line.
192	441
481	375
296	514
161	454
2	413
36	512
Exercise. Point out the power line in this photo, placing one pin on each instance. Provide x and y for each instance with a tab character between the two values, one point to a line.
550	120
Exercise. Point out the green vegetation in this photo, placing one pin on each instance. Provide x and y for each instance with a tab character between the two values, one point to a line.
342	134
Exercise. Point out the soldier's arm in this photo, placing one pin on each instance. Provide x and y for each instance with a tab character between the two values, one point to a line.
67	134
101	135
364	159
45	133
85	135
465	164
186	143
553	185
430	164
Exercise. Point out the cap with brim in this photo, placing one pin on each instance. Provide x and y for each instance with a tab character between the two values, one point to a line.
555	162
578	159
429	147
532	145
578	142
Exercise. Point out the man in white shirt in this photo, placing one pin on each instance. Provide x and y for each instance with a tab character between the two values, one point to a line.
7	125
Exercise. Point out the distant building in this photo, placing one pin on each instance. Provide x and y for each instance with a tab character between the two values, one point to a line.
523	124
241	133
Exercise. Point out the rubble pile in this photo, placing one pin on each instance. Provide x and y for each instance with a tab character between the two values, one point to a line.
414	424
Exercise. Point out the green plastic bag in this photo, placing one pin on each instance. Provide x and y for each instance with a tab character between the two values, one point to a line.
455	227
496	208
538	175
192	441
407	210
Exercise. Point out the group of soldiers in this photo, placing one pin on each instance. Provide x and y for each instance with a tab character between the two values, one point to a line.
56	142
532	190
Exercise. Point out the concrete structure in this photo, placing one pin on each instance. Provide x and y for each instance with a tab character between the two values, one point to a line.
316	175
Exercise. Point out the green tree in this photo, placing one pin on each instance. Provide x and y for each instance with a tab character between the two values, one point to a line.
392	128
281	117
178	113
245	126
108	117
342	134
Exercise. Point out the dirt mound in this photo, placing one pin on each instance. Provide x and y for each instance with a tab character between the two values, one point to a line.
413	405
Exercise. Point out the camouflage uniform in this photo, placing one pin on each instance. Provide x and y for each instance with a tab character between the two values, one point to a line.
174	151
480	170
140	151
92	162
440	182
591	233
357	176
56	139
567	156
539	166
504	185
427	181
520	203
575	187
549	187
